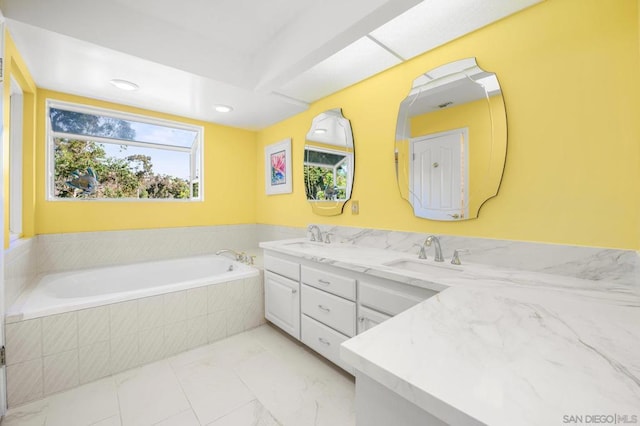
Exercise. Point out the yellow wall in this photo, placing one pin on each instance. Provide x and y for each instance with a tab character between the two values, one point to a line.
569	70
16	68
229	180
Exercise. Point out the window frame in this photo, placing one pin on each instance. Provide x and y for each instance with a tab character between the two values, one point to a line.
196	161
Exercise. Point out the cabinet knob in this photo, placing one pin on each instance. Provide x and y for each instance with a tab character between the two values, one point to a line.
361	319
294	290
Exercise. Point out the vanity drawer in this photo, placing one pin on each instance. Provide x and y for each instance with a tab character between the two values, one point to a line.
391	298
333	283
324	340
334	311
282	267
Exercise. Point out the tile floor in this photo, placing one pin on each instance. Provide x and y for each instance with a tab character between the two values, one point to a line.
259	377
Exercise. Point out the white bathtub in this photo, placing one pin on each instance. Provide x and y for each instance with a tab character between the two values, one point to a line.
72	328
75	290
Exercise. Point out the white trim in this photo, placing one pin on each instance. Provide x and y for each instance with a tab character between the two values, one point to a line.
15	160
3	370
87	109
115	141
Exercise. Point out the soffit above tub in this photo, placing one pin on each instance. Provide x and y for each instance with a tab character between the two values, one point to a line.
243	53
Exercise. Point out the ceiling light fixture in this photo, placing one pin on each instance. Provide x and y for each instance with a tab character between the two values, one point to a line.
223	108
124	84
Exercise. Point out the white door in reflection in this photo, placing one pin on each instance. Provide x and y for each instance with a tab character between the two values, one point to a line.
438	175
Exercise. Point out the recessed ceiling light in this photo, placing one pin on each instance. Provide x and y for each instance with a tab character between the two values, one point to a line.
223	108
124	84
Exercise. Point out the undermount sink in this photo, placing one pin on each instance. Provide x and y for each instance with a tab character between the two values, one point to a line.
306	245
423	266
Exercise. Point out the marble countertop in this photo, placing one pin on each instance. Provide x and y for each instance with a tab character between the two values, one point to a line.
499	346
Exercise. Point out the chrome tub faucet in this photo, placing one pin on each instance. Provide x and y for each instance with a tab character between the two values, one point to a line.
238	256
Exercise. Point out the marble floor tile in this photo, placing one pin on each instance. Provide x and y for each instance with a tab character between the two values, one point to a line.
84	405
111	421
251	414
298	398
186	418
224	353
149	394
31	414
259	377
212	391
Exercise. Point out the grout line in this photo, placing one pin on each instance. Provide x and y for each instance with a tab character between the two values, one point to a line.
173	370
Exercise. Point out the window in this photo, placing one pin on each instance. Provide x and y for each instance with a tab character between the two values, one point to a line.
101	154
325	174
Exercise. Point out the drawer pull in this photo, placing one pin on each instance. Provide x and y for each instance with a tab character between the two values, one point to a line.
324	308
324	341
324	282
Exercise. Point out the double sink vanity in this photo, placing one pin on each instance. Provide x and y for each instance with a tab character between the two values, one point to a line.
550	335
435	343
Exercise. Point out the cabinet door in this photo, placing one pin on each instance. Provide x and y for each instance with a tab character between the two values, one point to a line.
282	303
369	318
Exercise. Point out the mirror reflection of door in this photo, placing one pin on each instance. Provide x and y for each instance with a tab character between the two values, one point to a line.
457	95
438	177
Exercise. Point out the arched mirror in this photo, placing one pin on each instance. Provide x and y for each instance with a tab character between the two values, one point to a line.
329	163
451	141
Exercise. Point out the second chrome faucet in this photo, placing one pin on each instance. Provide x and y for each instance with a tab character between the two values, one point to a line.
431	239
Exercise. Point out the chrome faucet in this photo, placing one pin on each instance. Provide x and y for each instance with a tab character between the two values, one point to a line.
427	243
317	236
239	256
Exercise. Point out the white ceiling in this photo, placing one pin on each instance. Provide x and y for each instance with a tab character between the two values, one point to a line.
267	59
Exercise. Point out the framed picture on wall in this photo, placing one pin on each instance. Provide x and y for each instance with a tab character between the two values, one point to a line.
277	168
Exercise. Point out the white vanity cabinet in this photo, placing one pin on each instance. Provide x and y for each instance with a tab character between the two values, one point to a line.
324	305
328	303
282	294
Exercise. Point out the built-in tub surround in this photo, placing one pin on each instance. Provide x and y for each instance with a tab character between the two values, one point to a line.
496	345
20	269
56	341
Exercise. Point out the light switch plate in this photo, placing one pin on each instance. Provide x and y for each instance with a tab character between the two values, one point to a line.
355	207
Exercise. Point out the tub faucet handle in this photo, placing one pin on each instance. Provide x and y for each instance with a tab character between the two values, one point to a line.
241	257
327	238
